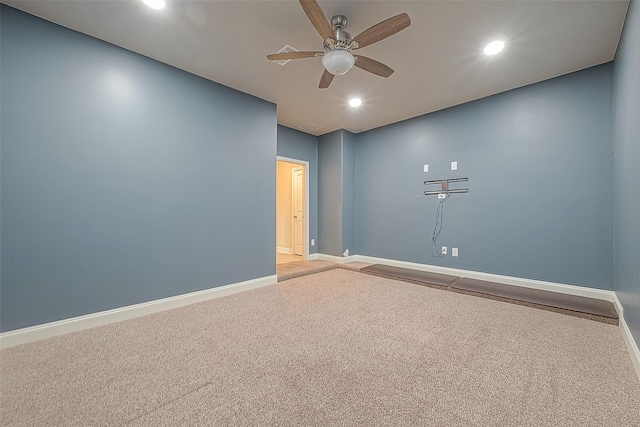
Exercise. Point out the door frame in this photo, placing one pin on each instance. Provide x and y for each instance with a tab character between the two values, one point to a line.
294	198
305	165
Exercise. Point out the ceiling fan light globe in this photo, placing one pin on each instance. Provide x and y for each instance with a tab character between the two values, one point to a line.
338	62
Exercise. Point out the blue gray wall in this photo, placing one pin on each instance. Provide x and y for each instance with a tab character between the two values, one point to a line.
302	146
330	213
123	180
539	164
348	192
336	194
626	149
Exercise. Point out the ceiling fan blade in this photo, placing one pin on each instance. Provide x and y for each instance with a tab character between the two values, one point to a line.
382	30
325	80
372	66
318	18
292	55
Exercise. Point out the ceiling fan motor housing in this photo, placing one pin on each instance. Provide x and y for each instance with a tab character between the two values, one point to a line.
342	38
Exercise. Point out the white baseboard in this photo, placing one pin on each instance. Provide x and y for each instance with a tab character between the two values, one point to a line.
337	259
74	324
282	250
632	346
313	257
507	280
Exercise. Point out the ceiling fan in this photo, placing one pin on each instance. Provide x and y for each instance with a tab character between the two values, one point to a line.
337	58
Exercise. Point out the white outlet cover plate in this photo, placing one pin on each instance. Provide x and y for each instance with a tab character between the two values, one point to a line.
454	251
426	168
444	250
454	166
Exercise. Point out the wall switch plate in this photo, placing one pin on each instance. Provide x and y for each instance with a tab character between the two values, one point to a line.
454	251
444	250
313	242
426	168
454	166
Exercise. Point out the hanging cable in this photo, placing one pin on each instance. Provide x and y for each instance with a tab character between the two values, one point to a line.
438	228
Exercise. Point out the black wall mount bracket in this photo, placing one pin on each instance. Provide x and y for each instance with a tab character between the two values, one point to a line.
444	186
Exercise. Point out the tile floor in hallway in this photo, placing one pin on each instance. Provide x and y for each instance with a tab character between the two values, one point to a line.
285	258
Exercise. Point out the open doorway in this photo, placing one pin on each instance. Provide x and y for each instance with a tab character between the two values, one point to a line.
292	206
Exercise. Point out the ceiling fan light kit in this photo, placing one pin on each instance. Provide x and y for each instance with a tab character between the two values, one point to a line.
338	62
337	58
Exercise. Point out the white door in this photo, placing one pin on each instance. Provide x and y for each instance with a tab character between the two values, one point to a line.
297	184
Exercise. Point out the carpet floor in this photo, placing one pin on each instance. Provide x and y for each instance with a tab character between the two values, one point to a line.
333	348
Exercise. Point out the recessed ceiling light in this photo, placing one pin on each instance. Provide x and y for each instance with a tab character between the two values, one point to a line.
493	47
154	4
355	102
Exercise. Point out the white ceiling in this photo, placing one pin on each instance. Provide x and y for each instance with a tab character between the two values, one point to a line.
438	60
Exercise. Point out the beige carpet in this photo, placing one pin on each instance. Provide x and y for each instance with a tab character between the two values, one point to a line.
334	348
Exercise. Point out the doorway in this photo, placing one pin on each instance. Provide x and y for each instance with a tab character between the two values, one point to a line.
292	206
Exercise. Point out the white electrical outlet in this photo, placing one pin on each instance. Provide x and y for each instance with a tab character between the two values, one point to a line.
454	166
444	250
313	242
454	251
441	195
426	168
